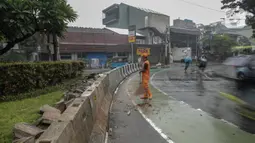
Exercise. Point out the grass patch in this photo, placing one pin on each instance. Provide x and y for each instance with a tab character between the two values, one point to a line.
23	111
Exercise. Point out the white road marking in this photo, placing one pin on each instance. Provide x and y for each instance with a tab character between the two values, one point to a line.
116	90
225	121
163	135
106	137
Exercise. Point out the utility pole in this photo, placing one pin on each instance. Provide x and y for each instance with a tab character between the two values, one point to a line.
167	45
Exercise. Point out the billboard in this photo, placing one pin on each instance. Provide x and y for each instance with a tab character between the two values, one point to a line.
132	34
141	51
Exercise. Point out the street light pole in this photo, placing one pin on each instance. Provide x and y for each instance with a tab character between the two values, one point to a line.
132	50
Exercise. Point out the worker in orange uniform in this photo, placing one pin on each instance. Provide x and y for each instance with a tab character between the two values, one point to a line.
146	77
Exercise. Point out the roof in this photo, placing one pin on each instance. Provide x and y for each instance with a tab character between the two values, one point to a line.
88	30
147	10
185	31
121	31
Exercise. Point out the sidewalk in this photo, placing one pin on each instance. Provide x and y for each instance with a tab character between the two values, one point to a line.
127	125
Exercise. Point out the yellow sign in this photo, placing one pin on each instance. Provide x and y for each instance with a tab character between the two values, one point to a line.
131	39
141	51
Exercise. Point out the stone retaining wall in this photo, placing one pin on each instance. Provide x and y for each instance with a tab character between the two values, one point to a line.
86	118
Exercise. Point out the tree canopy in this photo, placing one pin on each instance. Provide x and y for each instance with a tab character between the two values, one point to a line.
242	5
21	19
219	44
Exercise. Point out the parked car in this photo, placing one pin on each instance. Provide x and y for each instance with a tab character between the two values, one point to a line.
243	66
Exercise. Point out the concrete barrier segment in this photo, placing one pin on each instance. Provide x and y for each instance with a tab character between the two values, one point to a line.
134	68
91	94
131	68
122	72
80	116
126	70
58	132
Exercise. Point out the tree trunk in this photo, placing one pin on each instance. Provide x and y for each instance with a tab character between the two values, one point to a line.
55	44
48	47
6	48
12	44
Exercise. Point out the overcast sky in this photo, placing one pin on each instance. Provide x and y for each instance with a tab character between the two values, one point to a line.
90	11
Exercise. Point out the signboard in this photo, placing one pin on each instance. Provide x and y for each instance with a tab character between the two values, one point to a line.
141	51
132	34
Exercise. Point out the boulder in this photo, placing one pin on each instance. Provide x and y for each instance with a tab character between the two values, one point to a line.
25	140
22	130
49	117
61	106
48	108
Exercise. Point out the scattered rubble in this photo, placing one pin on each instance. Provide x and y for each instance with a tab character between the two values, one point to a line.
25	140
27	133
48	108
128	113
49	117
22	130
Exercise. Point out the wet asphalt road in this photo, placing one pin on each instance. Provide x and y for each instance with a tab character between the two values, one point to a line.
206	94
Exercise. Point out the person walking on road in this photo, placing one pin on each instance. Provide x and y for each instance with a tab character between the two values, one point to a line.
187	61
202	63
146	77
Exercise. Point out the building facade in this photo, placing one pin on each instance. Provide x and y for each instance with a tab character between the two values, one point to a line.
123	15
96	46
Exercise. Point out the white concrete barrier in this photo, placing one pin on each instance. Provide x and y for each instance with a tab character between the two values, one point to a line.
86	119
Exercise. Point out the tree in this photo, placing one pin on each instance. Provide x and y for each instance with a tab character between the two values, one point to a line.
29	46
219	44
21	19
242	5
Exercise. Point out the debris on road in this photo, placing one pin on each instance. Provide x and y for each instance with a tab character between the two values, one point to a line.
128	113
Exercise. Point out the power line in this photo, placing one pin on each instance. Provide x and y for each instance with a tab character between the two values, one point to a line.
192	3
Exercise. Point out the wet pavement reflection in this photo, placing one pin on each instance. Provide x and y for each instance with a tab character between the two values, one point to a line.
227	100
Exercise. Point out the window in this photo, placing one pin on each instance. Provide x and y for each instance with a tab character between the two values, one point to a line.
140	41
66	56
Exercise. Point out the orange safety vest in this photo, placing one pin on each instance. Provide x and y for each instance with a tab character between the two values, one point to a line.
146	73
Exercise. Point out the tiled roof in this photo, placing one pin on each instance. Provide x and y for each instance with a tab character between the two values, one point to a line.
88	30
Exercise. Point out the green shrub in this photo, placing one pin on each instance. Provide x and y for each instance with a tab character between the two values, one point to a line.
16	78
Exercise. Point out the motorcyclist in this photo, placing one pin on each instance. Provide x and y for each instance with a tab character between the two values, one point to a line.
202	62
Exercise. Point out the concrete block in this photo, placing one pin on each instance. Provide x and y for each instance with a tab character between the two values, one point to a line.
49	117
58	132
22	130
25	140
48	108
80	115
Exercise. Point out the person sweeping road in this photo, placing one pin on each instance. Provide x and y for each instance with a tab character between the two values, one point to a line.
146	77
